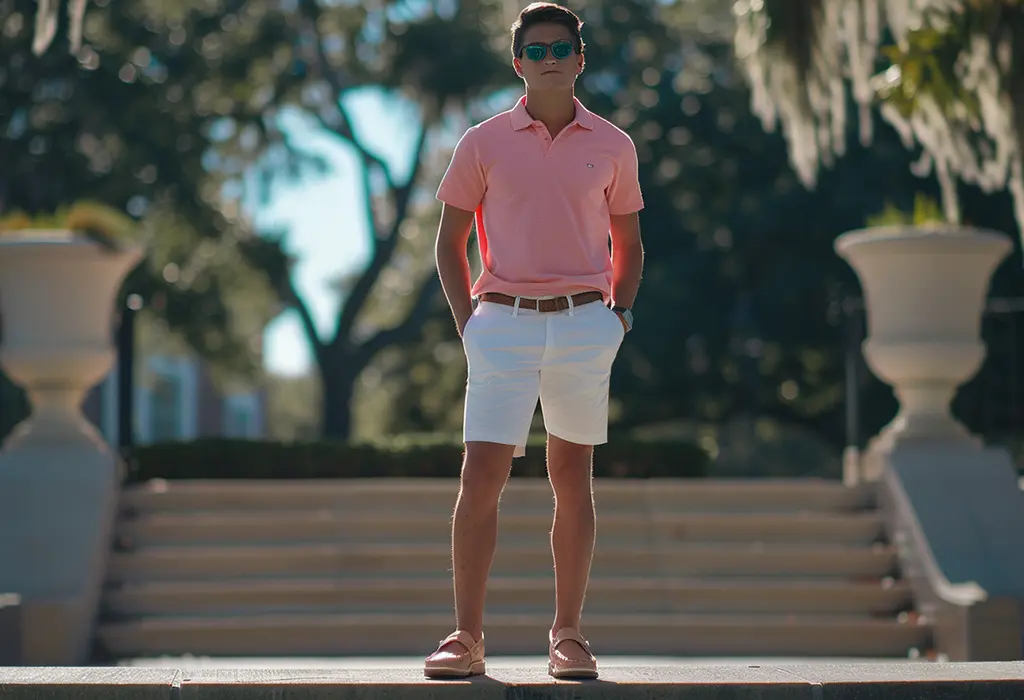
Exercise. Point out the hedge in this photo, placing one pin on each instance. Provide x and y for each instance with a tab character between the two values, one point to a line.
402	457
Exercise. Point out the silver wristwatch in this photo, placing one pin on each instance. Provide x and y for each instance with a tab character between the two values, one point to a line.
626	314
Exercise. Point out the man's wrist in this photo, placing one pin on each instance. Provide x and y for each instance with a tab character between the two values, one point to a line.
626	314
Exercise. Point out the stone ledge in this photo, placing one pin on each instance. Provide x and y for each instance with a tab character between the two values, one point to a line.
811	681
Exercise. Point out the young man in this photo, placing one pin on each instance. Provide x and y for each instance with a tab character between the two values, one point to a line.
546	183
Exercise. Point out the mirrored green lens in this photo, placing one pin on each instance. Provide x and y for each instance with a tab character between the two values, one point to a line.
561	49
535	53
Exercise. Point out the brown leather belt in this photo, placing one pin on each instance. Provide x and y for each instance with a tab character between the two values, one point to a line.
543	305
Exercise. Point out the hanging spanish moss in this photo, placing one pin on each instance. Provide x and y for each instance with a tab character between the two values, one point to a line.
946	81
47	20
76	16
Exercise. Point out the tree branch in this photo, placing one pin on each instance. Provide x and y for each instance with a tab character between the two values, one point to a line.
344	127
383	251
306	319
344	131
407	330
357	298
383	245
403	195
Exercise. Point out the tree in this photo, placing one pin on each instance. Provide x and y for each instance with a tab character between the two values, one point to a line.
948	78
440	55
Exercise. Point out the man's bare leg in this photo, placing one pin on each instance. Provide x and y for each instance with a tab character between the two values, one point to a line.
485	471
570	468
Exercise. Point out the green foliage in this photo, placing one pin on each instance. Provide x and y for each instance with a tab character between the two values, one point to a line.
98	222
926	211
411	456
930	63
944	74
292	408
444	59
135	121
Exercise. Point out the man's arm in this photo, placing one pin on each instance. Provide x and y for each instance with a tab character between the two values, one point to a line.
453	262
627	258
625	201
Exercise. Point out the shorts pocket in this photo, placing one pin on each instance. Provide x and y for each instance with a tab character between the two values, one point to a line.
621	329
472	322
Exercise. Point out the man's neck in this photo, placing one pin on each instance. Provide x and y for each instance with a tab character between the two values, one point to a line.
556	110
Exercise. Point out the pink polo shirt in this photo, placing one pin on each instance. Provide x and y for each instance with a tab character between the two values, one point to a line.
542	205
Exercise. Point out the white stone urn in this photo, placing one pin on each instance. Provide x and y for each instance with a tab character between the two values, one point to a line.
59	480
924	292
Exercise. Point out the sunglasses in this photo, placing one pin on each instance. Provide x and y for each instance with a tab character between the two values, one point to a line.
538	52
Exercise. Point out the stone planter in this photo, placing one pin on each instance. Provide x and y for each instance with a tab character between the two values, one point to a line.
58	478
924	291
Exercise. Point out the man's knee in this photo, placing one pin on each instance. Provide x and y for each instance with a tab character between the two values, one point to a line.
485	470
569	463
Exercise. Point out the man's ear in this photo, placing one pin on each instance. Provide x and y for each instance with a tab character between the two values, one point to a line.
582	64
517	65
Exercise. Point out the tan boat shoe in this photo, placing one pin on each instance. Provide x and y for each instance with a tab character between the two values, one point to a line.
445	663
560	665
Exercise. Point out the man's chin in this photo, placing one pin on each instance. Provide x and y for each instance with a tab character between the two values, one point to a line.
551	81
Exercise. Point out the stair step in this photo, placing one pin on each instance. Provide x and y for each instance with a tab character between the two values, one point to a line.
403	634
303	561
505	594
438	495
715	567
241	527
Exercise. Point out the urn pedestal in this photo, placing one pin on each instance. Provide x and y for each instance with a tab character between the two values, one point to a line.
924	293
59	480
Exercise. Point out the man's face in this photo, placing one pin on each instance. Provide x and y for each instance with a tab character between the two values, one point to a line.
549	72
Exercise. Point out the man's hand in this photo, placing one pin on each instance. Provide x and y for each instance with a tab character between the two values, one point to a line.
461	324
622	320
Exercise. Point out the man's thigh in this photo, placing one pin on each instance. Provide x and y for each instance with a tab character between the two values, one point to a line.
576	371
503	354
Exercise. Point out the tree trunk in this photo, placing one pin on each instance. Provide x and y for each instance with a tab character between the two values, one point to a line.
338	386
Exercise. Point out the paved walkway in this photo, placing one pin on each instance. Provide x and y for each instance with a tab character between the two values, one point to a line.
409	663
401	679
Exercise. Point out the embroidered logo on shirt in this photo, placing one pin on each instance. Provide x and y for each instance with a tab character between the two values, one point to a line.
590	165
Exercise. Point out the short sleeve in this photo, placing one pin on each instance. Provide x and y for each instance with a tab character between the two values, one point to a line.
624	196
463	184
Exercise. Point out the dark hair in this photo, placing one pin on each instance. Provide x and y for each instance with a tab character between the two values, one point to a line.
546	13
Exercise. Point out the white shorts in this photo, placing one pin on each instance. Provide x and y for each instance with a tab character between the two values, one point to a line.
562	358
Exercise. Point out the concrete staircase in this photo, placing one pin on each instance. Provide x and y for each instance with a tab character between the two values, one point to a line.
695	568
